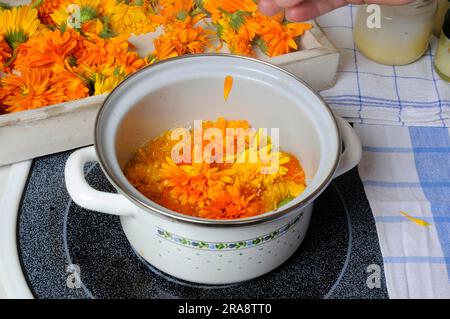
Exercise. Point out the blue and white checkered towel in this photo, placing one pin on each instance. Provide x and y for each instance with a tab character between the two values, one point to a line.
371	93
406	175
405	171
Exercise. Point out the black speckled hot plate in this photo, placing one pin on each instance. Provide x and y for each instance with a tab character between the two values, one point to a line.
54	234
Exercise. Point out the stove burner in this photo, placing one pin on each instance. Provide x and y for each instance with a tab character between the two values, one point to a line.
55	236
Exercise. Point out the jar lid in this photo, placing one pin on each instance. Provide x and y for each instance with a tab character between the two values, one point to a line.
446	26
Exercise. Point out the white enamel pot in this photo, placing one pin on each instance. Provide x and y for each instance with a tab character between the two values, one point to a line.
177	92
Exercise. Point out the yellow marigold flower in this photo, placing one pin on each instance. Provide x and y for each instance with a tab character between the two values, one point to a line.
105	84
76	11
18	24
105	6
127	19
35	88
83	15
104	78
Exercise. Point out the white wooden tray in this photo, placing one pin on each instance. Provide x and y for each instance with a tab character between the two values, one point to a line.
29	134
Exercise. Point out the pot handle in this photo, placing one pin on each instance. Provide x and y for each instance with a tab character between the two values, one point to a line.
353	148
86	196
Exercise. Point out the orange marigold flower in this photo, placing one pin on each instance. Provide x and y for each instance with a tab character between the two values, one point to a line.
53	50
95	51
233	203
239	33
5	53
171	10
181	37
218	7
35	88
279	38
87	40
46	8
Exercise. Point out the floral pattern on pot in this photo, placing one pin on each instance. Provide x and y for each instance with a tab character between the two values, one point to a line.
192	243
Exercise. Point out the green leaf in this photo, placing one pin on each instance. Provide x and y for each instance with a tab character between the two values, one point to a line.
15	38
87	14
219	31
35	4
237	19
106	32
200	4
151	59
262	45
182	15
72	60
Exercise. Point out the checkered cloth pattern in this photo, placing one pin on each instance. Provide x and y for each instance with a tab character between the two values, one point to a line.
370	93
406	163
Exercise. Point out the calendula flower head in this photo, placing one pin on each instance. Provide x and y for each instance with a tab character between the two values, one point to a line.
238	31
35	88
18	24
181	37
97	51
105	62
170	10
276	38
83	15
127	19
103	78
53	50
46	8
218	7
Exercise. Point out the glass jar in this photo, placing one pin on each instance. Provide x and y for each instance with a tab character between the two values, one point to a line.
395	35
442	58
443	6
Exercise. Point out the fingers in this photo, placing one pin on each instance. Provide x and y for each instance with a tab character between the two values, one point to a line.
309	9
288	3
268	7
388	2
300	10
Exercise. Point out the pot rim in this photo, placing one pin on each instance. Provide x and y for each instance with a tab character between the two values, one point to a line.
266	217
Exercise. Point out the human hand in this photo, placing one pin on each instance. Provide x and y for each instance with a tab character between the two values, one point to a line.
300	10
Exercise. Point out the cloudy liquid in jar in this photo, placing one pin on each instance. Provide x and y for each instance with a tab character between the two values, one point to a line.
442	62
402	36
